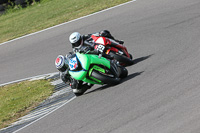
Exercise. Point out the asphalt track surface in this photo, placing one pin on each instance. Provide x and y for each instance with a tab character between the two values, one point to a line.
161	93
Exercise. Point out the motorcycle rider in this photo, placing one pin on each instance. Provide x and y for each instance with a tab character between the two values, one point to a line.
78	87
85	43
78	41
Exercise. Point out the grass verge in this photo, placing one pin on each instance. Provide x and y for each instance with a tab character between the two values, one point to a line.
20	98
47	13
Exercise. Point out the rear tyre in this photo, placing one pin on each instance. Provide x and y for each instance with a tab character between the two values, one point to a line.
124	72
122	58
105	78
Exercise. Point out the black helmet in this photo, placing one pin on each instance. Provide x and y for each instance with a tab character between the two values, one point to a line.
75	39
62	63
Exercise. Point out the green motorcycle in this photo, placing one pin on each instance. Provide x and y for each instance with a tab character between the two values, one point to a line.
91	68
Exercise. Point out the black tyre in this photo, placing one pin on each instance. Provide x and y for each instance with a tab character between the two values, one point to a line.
122	58
105	78
124	72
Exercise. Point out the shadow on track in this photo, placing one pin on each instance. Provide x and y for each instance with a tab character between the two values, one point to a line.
141	59
130	76
133	75
123	80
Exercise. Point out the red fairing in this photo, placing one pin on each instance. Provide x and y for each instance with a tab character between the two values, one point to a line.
108	42
99	40
114	49
94	38
105	41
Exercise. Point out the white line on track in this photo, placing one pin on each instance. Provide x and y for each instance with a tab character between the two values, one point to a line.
44	115
43	75
67	22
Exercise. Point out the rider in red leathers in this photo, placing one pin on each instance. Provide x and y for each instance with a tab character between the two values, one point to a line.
78	41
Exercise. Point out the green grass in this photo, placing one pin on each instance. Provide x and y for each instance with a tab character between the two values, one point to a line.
20	98
47	13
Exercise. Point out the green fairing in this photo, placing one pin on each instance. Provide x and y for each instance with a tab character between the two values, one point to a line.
86	60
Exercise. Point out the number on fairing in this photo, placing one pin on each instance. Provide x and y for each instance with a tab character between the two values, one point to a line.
100	48
73	64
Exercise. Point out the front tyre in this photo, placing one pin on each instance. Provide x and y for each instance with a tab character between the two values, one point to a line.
105	78
122	58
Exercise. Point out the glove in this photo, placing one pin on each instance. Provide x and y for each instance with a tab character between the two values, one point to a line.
121	42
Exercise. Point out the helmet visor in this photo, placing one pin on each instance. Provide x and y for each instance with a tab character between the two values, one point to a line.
78	43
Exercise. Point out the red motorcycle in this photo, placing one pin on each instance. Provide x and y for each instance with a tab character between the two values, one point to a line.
118	51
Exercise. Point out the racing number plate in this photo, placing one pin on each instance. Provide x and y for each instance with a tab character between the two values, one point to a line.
100	48
73	63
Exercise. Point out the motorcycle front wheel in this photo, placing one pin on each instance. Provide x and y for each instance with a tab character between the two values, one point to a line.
105	78
122	59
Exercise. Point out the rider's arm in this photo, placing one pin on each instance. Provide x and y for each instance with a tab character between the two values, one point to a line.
96	52
88	43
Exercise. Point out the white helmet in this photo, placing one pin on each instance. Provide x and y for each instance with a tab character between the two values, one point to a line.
75	39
